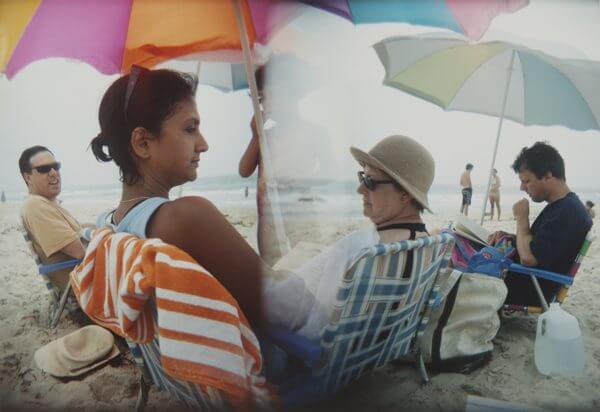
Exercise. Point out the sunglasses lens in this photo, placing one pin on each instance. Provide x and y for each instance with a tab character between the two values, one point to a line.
366	180
369	182
46	168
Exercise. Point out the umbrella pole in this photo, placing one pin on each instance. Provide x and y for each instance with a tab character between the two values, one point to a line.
272	192
489	182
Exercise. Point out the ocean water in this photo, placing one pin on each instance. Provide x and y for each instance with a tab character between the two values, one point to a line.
331	199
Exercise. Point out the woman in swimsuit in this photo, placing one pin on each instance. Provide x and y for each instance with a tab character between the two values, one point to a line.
150	127
495	193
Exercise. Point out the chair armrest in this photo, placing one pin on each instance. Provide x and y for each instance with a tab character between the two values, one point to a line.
544	274
86	233
52	267
294	344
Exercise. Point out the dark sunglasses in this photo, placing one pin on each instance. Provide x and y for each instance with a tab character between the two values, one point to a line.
46	168
371	183
134	75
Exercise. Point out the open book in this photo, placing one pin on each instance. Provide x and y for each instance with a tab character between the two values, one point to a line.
470	229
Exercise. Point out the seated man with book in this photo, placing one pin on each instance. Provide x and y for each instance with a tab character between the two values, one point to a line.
551	243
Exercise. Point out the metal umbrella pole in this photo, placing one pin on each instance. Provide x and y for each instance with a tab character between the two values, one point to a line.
272	192
489	182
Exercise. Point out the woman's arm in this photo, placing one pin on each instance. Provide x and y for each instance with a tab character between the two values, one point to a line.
196	226
251	156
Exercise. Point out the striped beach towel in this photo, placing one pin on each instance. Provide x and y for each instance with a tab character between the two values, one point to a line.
203	335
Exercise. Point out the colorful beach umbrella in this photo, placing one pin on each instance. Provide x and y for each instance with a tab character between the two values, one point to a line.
112	35
223	76
495	78
469	17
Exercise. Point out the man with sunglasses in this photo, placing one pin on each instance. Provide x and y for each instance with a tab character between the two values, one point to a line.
53	230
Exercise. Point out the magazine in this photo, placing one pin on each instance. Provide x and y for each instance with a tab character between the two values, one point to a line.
471	230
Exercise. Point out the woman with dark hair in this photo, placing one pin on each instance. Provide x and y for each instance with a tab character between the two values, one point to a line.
150	128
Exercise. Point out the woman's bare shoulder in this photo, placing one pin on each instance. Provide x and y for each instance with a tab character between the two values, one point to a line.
185	212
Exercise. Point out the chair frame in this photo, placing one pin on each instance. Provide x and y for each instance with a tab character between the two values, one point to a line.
300	391
564	280
59	298
329	364
145	377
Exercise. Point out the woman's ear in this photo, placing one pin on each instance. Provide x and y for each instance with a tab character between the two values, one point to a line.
140	142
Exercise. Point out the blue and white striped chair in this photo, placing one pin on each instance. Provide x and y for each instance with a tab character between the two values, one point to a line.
379	316
59	298
147	359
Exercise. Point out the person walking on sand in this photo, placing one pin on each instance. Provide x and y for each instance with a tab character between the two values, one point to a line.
3	197
494	193
466	189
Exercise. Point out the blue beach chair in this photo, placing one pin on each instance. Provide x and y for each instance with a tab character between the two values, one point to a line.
564	280
379	317
59	298
152	374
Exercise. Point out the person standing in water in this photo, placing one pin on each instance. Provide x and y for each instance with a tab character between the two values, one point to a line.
494	193
466	189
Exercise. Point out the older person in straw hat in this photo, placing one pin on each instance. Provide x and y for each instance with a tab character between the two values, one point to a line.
394	183
396	177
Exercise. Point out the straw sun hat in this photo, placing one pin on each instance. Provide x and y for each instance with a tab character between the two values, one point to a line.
77	352
405	161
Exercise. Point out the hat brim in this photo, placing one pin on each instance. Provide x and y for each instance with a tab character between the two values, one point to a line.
365	158
47	360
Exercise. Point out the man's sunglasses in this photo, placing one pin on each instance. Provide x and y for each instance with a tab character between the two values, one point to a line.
46	168
371	183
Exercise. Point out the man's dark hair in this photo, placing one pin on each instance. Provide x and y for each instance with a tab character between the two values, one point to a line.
469	166
25	159
540	159
589	203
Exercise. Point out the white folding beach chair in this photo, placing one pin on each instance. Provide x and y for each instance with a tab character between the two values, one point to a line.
379	317
59	298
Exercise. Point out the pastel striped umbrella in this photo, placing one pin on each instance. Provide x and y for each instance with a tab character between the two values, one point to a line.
468	17
495	78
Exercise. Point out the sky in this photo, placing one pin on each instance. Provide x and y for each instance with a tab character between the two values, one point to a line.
55	103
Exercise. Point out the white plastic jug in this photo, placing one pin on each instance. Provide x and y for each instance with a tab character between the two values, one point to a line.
558	343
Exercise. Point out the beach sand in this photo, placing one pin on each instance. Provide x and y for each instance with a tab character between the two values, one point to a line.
511	376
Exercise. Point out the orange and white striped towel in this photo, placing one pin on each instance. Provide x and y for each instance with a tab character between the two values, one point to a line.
204	337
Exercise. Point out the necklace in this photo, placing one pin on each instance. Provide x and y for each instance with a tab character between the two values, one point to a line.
133	199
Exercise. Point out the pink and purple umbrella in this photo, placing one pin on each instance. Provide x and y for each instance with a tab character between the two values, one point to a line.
469	17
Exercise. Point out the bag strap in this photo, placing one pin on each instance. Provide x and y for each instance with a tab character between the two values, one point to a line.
444	289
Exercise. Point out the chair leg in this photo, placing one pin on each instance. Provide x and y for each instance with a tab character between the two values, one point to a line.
142	399
422	368
61	305
539	293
